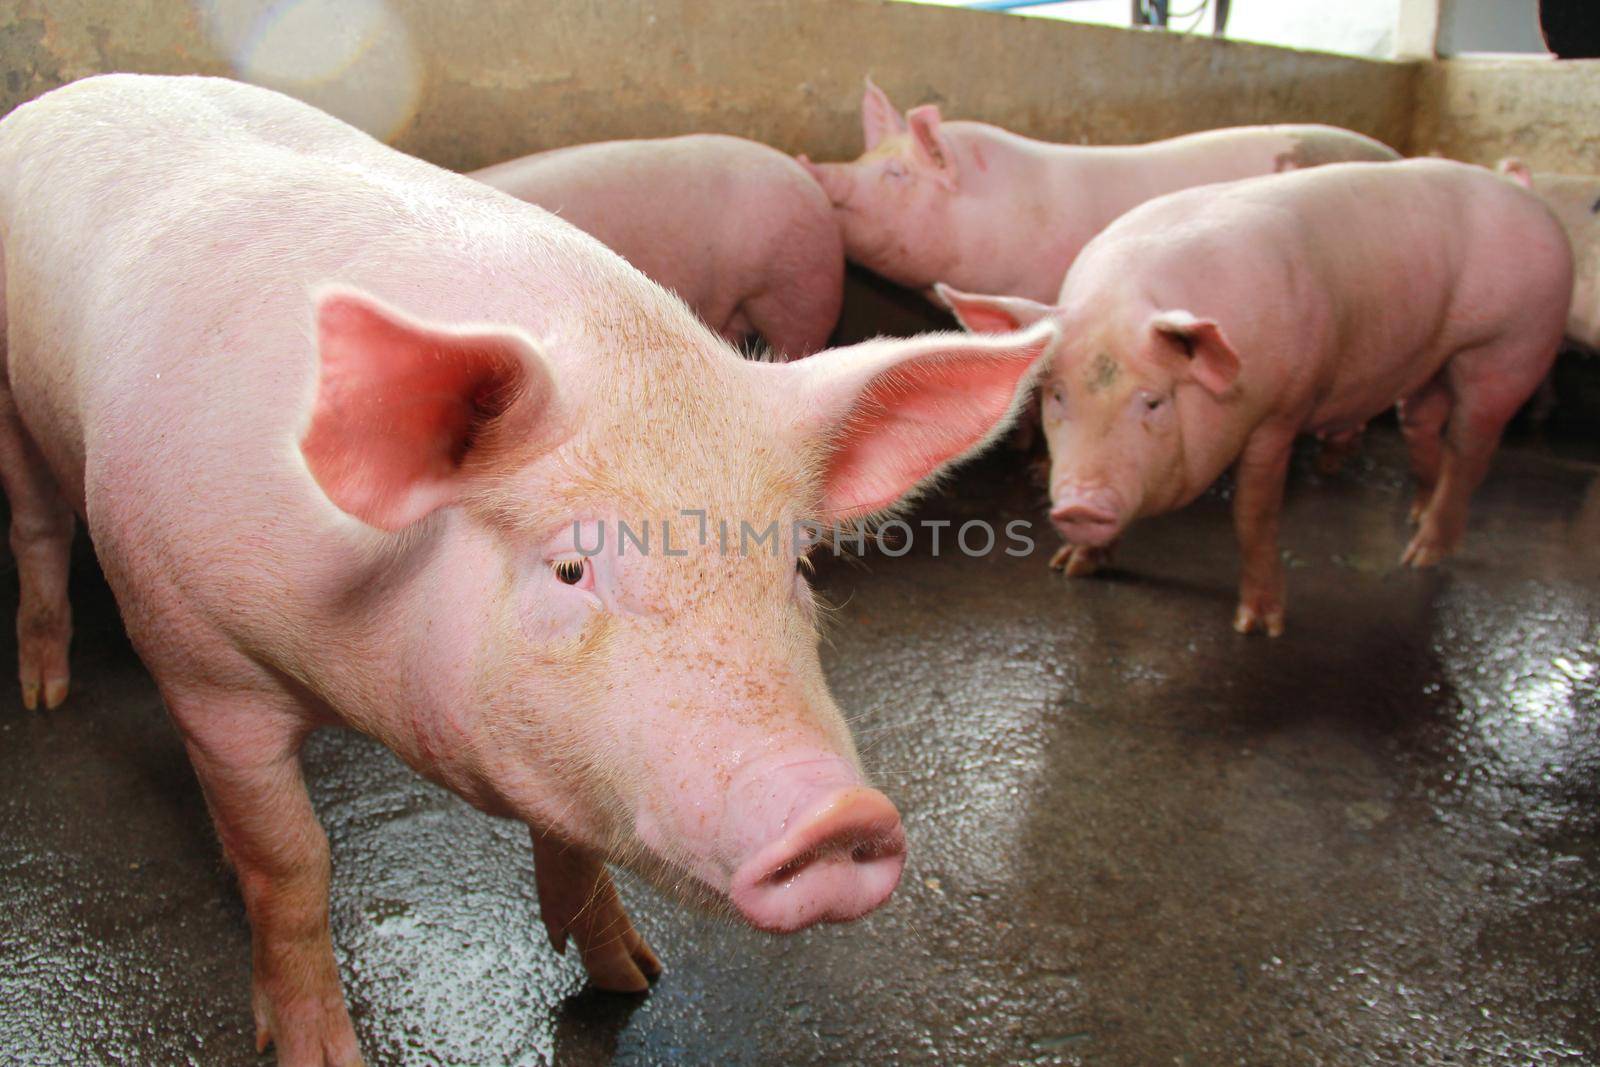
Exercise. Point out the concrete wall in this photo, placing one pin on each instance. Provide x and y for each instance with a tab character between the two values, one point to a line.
1544	110
470	82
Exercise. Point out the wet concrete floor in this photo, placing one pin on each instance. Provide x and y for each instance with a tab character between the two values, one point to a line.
1136	838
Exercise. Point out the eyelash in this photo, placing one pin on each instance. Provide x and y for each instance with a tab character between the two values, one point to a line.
568	571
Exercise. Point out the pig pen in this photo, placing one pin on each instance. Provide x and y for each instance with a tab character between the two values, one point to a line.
1135	837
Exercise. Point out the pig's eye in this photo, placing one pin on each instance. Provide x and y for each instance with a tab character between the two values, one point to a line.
1153	403
569	571
894	169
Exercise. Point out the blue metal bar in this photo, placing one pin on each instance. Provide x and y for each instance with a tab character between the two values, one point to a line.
1007	5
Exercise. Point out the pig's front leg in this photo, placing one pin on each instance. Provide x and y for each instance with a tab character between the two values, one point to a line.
249	768
1257	505
1079	561
577	898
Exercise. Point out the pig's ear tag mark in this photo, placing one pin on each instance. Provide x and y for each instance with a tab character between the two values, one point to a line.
1208	357
408	412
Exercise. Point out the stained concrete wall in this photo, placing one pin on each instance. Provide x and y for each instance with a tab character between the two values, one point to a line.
1544	110
476	81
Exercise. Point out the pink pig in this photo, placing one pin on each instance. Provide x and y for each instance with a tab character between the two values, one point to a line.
981	208
1214	325
346	429
733	227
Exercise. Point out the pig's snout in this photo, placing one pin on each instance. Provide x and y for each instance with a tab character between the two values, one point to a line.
837	861
1087	517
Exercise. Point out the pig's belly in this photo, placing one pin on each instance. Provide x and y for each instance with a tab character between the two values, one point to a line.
1355	400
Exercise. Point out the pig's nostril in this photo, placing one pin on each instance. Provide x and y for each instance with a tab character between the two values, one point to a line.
837	864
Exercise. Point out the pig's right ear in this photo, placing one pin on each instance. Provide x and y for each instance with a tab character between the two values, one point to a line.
990	314
887	416
879	119
407	412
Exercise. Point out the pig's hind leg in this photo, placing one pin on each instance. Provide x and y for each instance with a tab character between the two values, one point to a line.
798	306
1486	387
41	542
1422	419
793	324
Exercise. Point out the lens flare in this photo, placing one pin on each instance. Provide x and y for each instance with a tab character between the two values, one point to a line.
351	58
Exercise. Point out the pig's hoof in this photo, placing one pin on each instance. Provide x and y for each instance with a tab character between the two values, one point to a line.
53	688
307	1031
1079	561
615	955
1259	618
54	692
1422	553
625	964
42	659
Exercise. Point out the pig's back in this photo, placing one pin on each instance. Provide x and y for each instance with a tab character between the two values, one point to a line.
1351	280
1382	233
701	214
163	241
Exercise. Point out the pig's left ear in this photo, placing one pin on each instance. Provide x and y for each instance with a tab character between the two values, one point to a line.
888	415
929	146
879	119
1208	357
989	314
408	414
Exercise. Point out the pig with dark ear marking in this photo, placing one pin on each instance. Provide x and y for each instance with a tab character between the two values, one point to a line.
983	209
735	228
1209	327
1574	199
354	436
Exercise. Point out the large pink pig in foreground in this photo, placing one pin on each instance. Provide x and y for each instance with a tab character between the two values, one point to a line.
984	209
340	423
1574	199
1214	325
733	227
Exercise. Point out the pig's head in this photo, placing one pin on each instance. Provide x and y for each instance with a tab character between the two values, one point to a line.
1123	400
894	203
662	703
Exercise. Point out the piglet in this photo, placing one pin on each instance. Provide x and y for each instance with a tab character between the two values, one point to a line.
737	229
1288	304
980	208
354	437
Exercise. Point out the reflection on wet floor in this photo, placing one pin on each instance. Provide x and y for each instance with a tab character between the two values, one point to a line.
1135	836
